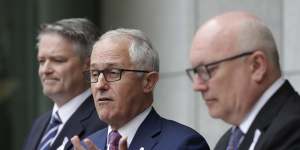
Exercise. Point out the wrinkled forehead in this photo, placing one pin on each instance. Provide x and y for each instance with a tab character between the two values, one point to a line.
109	52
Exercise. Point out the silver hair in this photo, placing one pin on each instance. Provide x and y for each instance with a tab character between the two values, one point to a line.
255	35
80	31
141	52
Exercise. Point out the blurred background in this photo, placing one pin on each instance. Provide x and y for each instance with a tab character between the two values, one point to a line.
170	24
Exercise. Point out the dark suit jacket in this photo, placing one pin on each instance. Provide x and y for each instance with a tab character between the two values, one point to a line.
83	122
157	133
278	121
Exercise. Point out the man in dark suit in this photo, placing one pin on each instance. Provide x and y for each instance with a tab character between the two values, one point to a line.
63	55
236	68
124	72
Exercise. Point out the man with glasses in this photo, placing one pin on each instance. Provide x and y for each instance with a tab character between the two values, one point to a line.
235	66
63	54
123	73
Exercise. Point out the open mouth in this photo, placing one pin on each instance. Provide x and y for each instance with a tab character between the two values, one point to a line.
104	99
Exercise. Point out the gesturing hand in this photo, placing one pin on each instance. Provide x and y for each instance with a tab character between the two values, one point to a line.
91	146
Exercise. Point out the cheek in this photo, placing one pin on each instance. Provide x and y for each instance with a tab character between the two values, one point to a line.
224	90
121	97
93	88
124	97
40	71
71	77
231	94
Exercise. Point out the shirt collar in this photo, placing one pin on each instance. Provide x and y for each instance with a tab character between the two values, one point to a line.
130	128
246	123
66	110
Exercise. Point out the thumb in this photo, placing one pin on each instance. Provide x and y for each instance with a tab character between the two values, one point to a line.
123	143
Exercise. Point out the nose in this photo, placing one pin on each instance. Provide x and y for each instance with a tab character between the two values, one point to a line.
102	84
46	67
200	84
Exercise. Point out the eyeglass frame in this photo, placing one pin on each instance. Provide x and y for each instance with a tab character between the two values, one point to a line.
88	76
206	71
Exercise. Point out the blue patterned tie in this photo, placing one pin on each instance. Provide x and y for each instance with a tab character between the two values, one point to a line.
235	137
50	132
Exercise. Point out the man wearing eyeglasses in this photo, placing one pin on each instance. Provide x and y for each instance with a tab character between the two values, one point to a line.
63	54
123	73
235	66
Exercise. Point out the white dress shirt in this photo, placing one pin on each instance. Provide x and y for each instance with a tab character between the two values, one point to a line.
246	123
67	110
130	128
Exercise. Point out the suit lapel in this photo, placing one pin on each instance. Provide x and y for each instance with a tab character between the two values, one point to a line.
74	125
102	139
223	142
266	115
148	133
99	138
39	130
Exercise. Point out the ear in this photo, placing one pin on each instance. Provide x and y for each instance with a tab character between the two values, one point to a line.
150	81
259	64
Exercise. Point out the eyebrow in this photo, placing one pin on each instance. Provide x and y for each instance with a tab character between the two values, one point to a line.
108	65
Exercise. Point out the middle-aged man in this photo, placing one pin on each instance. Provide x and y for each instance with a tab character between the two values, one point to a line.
63	54
123	74
236	68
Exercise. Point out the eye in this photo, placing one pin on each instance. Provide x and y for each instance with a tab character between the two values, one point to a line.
114	71
198	70
211	68
59	60
41	61
94	73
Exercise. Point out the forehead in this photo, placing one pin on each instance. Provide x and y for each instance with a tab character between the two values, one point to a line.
111	52
54	44
211	43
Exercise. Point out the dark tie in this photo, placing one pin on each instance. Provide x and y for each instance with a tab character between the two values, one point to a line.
113	140
235	137
50	132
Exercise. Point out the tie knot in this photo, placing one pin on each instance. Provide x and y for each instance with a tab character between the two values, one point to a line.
55	120
50	133
114	137
237	132
235	139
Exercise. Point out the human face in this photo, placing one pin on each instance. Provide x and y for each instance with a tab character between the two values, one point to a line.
119	101
60	68
225	92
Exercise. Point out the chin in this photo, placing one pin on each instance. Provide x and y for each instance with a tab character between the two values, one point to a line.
52	94
49	92
213	114
105	116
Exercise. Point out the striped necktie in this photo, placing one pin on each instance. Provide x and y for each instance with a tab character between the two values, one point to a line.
50	133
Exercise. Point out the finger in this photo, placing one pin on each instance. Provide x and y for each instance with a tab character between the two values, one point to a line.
90	145
123	143
76	143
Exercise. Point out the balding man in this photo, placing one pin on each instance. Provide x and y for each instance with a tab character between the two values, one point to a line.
235	66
